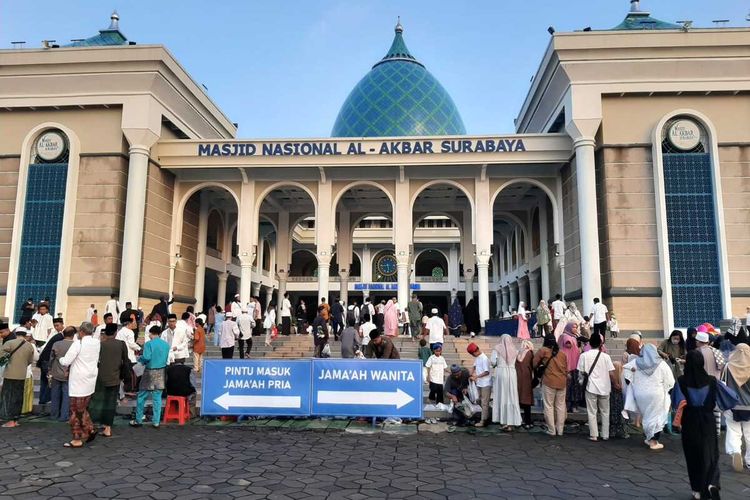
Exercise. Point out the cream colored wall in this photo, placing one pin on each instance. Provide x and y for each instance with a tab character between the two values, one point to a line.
98	227
570	231
631	119
627	219
735	185
184	281
157	230
8	182
78	305
630	218
98	129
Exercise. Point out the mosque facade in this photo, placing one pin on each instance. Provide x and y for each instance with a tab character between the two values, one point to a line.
627	178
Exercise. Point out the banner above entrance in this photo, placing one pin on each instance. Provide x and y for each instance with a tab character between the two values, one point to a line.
336	148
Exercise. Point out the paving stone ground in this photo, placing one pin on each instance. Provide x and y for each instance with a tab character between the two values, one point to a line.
290	462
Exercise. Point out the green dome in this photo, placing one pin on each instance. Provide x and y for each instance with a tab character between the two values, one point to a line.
638	19
398	97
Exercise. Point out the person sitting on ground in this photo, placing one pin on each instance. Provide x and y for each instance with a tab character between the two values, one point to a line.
180	381
381	347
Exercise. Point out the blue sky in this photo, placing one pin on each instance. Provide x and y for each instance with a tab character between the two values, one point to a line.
283	68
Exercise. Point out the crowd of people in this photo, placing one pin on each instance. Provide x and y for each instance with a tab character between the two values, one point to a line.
696	382
86	370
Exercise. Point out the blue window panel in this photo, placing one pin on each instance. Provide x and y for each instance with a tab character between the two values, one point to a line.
693	242
42	230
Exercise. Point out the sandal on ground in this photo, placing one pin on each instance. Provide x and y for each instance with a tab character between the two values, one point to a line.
69	444
133	423
92	436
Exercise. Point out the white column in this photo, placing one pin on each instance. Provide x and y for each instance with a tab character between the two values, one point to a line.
534	289
588	226
282	276
506	298
269	297
523	291
403	232
247	228
453	270
132	238
544	248
366	265
200	268
469	282
324	266
344	286
513	295
402	266
221	296
499	301
483	263
255	289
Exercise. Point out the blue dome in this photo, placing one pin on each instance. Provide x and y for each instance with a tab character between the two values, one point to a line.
398	97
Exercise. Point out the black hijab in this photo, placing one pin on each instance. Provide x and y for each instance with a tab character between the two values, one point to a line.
695	374
551	343
690	344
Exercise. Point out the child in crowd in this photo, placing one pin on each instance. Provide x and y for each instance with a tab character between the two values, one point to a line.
586	327
424	352
614	328
436	367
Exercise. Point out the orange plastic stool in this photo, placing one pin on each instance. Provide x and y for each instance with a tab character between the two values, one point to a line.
176	409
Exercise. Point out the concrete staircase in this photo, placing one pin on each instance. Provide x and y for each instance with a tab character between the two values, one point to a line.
301	346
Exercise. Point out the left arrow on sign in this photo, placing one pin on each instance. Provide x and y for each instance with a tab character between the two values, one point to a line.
227	400
398	399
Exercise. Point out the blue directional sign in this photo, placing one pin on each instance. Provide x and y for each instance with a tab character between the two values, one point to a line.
367	388
256	387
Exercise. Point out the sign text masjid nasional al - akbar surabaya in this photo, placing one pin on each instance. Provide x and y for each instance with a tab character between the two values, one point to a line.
336	148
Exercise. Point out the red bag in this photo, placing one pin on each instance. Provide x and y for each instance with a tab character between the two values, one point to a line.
274	332
677	420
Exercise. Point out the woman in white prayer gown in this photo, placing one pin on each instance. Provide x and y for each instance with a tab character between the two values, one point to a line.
505	408
651	380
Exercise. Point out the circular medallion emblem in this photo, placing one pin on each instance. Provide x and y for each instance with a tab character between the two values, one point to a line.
684	134
387	265
50	146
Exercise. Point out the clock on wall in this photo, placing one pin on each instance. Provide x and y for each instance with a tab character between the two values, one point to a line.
386	265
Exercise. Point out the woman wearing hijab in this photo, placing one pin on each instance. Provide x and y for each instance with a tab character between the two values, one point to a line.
700	441
524	376
737	377
471	317
632	349
523	322
573	314
554	384
672	350
390	315
569	346
455	318
505	407
617	405
651	379
543	319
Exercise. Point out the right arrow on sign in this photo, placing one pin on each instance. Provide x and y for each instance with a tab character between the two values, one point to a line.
227	401
398	399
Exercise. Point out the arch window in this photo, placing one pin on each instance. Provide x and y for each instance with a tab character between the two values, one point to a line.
691	223
44	207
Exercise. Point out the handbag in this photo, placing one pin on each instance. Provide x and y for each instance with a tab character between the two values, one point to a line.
539	371
5	358
473	392
274	332
583	377
726	398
